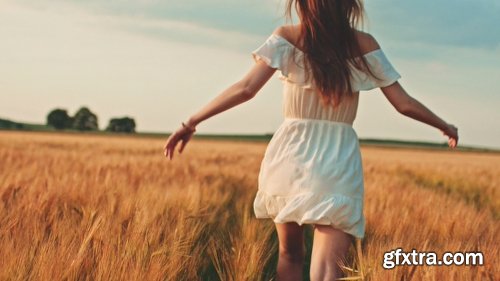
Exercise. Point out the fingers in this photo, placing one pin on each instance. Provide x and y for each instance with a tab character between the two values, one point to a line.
452	136
183	144
171	144
169	152
452	142
170	147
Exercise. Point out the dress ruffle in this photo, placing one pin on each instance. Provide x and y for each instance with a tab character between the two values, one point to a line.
276	51
340	211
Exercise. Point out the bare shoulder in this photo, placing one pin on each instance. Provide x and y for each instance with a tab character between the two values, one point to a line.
367	42
289	32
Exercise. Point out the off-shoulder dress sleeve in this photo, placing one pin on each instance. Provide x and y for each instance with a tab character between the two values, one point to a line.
272	52
381	67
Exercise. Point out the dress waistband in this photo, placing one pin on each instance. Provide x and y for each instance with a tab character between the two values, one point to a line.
294	119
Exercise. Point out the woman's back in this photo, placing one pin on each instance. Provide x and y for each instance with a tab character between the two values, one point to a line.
282	50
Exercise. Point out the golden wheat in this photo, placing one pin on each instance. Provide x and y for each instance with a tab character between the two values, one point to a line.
90	207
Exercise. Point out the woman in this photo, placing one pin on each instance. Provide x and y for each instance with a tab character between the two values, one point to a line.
312	171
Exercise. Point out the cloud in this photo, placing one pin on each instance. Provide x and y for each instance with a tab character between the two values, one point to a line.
466	23
255	16
235	25
457	23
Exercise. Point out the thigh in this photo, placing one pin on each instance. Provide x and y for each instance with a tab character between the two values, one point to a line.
329	245
291	238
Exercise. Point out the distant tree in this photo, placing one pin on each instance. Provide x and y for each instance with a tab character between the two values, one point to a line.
59	119
85	120
123	125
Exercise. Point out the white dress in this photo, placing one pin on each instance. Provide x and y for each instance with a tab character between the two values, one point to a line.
312	169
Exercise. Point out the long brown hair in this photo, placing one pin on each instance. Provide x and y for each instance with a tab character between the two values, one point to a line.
329	43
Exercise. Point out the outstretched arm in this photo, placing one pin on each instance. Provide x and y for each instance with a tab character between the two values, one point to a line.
238	93
409	106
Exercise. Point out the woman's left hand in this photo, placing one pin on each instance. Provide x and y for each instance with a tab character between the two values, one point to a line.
183	134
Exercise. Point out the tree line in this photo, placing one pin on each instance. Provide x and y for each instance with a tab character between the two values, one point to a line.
86	120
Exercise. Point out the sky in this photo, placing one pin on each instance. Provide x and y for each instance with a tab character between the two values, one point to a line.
161	61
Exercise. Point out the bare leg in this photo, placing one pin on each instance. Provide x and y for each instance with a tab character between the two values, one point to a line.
291	251
330	245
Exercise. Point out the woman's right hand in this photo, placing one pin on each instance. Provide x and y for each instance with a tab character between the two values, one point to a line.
452	133
183	134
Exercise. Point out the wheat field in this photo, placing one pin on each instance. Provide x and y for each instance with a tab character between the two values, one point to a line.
98	207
